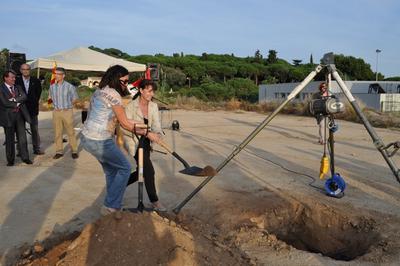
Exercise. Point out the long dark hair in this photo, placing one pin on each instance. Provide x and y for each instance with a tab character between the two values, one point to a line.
143	84
111	78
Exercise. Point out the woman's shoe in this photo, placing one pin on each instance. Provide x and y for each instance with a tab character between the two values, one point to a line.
106	211
158	207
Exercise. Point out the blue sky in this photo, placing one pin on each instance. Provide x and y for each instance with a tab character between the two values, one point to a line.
294	28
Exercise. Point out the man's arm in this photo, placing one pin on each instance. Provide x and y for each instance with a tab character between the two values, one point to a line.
39	90
74	94
5	102
21	97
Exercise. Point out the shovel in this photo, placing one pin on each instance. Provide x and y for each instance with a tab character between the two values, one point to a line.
189	170
140	206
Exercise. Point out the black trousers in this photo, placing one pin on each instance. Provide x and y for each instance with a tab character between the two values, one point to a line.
34	125
18	128
148	170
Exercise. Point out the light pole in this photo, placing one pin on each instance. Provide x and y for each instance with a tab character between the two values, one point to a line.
189	79
376	73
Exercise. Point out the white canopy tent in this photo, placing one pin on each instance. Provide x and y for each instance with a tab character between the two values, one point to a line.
84	59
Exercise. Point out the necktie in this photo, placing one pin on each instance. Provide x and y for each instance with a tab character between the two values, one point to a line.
12	91
16	109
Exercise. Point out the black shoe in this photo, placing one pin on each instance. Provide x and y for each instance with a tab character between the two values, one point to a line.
75	155
27	161
58	156
10	164
38	152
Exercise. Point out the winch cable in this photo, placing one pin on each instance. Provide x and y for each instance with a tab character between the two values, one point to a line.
216	142
313	180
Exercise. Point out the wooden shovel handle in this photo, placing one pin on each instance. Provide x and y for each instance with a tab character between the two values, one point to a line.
140	165
141	126
165	146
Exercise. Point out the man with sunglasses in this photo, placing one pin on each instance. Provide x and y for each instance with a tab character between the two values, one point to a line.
63	95
33	90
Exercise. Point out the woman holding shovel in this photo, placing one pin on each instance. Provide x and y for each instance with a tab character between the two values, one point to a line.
143	109
98	134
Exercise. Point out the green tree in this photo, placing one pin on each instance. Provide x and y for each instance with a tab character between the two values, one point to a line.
258	56
354	68
280	72
3	60
175	78
272	57
243	89
297	62
215	91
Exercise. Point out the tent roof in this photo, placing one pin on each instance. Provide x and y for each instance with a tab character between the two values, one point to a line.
84	59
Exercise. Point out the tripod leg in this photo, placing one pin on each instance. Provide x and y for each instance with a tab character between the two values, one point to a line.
257	130
377	141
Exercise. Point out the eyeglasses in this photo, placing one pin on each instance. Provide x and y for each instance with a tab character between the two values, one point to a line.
59	74
124	81
25	69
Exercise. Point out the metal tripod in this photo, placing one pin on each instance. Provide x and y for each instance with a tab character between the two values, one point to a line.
328	63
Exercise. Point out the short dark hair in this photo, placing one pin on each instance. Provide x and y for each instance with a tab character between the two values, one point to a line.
143	84
7	72
147	82
111	78
61	69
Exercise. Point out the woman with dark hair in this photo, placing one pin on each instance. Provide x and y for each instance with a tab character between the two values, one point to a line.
144	110
98	134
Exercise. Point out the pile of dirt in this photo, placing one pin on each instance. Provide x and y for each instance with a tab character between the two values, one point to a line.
132	239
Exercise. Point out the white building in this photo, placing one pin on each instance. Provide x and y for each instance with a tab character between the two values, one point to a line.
382	95
91	82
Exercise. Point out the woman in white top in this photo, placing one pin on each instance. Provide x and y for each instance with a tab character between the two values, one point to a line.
98	134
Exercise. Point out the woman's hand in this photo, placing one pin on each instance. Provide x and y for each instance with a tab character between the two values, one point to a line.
154	137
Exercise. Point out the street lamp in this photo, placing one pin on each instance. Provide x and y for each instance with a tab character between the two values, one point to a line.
189	79
376	73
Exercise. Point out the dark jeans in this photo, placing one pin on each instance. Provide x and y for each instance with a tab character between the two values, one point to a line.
19	129
148	171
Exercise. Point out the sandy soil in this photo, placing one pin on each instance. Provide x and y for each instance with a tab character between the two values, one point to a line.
263	208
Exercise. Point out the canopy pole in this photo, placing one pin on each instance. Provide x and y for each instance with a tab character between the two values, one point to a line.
38	72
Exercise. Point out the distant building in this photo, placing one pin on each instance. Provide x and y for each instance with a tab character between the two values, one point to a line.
382	96
91	82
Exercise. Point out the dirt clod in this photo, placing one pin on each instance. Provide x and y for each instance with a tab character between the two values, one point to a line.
38	248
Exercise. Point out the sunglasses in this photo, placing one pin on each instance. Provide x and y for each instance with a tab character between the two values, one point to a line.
125	82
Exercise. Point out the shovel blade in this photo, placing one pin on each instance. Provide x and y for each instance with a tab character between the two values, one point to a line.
197	171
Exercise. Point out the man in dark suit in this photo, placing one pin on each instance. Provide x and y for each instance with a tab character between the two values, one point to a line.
13	114
33	90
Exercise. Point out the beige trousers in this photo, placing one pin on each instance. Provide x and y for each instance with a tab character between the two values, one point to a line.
64	119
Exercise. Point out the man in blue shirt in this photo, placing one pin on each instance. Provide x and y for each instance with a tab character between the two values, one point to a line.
63	95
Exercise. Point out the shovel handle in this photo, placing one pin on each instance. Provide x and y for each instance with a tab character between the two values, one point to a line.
168	149
140	164
141	126
165	146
